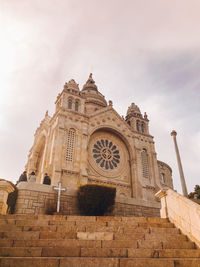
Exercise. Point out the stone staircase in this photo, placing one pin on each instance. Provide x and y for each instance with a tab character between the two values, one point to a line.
60	241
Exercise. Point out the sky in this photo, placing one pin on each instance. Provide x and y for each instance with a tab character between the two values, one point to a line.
146	52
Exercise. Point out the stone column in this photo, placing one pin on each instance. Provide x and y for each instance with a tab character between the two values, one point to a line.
5	189
183	184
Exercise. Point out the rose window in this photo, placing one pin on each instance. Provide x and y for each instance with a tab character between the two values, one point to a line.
106	154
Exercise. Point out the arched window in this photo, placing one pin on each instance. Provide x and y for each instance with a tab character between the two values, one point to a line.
163	178
142	127
138	125
145	165
76	106
129	123
69	104
70	145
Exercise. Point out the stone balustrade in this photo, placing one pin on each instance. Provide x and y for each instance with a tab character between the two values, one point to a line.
5	188
181	211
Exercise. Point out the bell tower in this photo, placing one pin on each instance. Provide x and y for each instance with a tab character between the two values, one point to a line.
136	120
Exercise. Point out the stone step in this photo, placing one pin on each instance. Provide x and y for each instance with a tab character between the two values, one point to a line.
176	244
96	262
163	253
81	218
97	252
139	253
55	243
71	233
165	236
146	224
144	244
184	262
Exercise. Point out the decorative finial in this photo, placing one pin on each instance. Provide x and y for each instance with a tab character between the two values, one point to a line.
145	115
90	84
46	114
173	133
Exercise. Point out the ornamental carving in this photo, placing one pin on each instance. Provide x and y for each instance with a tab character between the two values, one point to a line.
106	154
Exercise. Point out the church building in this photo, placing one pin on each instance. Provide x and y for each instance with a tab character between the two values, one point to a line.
87	141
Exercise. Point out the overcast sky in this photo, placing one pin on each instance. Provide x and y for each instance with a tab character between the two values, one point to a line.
146	52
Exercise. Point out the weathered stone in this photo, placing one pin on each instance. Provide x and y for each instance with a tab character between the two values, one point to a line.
6	243
104	252
187	263
146	263
81	218
119	244
57	235
20	235
89	262
150	244
133	236
178	244
95	236
20	252
61	252
29	262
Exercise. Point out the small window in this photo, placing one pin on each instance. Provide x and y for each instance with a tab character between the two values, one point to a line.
138	125
145	164
163	178
76	106
69	104
142	127
129	123
70	145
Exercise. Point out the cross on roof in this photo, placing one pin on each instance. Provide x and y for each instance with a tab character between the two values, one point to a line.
59	189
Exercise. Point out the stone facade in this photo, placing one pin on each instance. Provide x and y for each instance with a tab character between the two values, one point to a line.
87	141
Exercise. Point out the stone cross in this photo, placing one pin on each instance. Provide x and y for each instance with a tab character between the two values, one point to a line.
59	189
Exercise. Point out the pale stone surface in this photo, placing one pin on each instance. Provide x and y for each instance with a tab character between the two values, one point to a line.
5	188
95	236
184	213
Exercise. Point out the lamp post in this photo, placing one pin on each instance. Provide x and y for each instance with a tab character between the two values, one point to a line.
183	184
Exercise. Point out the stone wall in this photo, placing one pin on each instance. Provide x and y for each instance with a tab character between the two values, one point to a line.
181	211
41	199
36	198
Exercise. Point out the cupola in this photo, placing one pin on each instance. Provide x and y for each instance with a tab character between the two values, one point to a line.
94	100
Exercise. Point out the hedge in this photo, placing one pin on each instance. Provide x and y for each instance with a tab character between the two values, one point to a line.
95	200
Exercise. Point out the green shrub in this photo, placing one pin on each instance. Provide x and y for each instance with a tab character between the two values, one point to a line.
95	200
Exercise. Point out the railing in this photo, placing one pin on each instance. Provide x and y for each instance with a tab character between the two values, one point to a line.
181	211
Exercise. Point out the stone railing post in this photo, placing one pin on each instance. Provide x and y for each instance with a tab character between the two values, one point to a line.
5	188
162	196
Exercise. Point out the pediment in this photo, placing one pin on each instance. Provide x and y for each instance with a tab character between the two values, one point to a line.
109	118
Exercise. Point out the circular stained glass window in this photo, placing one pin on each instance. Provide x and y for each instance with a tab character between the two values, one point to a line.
106	154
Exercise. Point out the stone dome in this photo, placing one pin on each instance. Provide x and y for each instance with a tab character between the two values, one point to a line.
91	93
90	84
